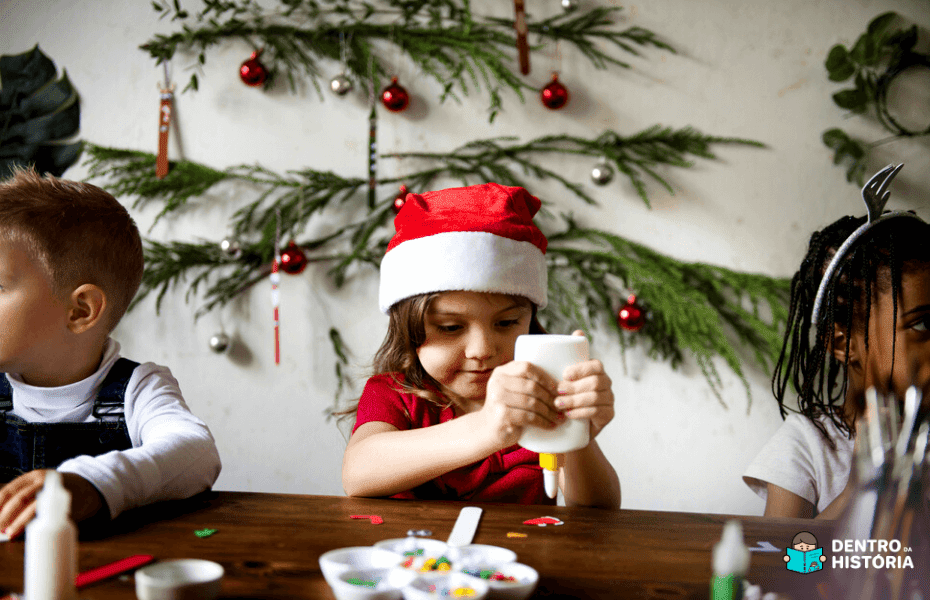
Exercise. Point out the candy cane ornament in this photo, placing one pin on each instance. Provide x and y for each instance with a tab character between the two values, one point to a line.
275	281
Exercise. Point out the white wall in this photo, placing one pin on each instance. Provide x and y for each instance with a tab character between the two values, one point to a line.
749	68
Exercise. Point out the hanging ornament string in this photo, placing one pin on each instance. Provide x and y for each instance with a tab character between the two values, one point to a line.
164	124
341	84
372	137
275	280
523	47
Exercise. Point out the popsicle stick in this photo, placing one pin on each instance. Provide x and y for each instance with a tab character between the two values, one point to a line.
463	532
523	47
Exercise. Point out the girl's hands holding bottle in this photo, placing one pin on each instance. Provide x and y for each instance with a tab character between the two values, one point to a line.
520	393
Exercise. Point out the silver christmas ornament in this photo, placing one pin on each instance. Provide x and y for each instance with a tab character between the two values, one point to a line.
341	85
219	343
231	247
569	5
602	173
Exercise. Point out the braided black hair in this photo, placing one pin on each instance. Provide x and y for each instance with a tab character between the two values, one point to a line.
878	258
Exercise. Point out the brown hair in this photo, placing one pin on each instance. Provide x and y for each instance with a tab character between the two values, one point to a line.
406	332
805	537
77	233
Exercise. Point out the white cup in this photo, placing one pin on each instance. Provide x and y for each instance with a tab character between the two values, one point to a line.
553	353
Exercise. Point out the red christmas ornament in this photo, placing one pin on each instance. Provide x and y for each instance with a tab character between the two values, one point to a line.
631	316
394	97
252	71
555	95
400	199
293	259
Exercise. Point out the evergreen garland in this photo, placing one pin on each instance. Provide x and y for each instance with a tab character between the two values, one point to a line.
442	37
694	308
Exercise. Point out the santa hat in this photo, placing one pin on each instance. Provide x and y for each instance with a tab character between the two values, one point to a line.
479	238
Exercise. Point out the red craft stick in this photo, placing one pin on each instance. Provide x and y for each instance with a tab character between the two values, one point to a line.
112	570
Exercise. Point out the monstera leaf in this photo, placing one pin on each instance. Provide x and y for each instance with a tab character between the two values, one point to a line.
38	114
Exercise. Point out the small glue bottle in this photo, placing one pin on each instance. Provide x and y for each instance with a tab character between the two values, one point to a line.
730	562
51	545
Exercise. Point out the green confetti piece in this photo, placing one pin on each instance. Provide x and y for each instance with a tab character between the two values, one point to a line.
203	533
417	552
364	582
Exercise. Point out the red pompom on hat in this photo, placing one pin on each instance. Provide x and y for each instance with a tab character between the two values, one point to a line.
479	238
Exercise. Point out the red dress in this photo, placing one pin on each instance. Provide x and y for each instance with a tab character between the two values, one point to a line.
509	475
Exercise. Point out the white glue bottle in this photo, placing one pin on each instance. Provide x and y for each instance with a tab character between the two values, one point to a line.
51	545
730	562
553	353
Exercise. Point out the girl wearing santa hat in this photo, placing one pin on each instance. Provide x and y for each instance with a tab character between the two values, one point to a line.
464	276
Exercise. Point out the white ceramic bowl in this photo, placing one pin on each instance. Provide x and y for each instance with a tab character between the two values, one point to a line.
431	547
371	584
336	562
482	554
184	579
444	587
526	580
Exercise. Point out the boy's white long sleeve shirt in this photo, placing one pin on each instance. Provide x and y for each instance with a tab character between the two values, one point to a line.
173	454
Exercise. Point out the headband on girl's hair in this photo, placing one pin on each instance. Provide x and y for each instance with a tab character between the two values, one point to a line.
875	198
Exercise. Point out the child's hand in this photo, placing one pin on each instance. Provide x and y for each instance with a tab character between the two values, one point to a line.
586	394
18	500
518	394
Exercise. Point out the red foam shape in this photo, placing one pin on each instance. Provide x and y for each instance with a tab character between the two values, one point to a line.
375	519
543	521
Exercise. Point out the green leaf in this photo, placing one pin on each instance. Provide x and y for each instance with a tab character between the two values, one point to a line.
854	100
835	138
865	52
879	24
38	113
838	64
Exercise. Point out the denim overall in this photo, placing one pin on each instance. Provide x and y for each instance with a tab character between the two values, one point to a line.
26	446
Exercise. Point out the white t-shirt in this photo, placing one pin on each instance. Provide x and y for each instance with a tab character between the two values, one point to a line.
173	454
798	459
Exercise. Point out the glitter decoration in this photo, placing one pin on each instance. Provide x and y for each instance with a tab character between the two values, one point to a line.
205	533
490	575
459	592
514	534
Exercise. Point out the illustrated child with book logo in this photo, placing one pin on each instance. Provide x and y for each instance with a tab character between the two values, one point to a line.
804	556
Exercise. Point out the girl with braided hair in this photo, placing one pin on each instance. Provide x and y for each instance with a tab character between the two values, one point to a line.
859	317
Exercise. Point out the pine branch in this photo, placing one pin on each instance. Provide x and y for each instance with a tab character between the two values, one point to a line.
692	307
441	37
132	173
635	156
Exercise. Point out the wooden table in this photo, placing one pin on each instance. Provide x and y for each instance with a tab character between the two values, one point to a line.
270	544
